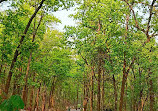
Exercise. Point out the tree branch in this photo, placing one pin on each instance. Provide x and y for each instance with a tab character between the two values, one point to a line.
149	20
84	60
29	23
130	65
37	27
146	4
153	35
2	1
136	22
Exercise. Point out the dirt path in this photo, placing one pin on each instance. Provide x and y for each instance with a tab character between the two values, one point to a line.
75	110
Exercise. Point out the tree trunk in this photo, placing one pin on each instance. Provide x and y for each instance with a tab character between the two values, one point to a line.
84	92
1	65
125	101
26	78
77	96
99	81
7	86
141	91
14	87
124	79
31	98
37	99
51	100
92	88
151	93
115	92
103	89
32	94
86	98
44	99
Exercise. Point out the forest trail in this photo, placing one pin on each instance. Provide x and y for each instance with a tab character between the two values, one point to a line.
75	110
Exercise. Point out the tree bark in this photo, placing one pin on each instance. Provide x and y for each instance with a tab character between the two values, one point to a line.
151	93
124	79
32	94
86	91
31	98
125	101
44	99
16	53
99	81
51	100
36	106
77	96
92	88
115	92
26	77
103	88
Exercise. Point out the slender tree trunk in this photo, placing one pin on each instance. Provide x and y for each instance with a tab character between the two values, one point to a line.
124	79
44	100
85	101
141	91
31	98
125	101
7	86
51	100
151	93
122	90
26	78
1	83
36	106
134	104
86	98
103	89
99	81
77	96
14	87
1	66
84	92
32	94
92	88
115	92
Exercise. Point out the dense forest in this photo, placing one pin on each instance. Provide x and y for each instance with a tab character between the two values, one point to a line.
108	61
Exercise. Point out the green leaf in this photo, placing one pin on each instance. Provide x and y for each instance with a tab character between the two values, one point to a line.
17	102
14	102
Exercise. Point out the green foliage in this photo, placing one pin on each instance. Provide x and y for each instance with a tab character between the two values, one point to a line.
14	103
